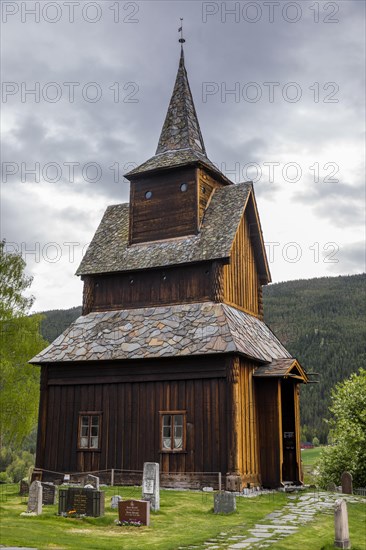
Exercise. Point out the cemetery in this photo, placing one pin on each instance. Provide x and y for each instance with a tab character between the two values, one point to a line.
147	516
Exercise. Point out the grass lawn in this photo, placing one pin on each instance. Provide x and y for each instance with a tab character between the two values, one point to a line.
319	535
310	456
185	518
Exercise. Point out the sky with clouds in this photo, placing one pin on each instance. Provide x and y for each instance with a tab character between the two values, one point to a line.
279	91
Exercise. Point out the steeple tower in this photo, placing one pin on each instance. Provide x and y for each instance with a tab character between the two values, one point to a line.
170	191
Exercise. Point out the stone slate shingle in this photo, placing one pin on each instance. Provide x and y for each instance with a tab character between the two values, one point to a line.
170	331
109	251
181	142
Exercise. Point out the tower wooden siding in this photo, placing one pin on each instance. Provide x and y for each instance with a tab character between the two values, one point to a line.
206	185
154	219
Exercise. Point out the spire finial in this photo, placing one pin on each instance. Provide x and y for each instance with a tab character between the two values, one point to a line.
181	40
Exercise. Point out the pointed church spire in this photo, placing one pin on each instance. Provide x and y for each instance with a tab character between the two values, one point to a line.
181	129
181	141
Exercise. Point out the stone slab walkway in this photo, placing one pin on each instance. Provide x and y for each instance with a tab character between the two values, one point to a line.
281	523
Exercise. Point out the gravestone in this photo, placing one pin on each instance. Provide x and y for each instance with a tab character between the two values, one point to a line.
341	539
346	481
150	485
224	503
48	493
134	510
23	488
331	487
35	498
89	479
115	500
88	502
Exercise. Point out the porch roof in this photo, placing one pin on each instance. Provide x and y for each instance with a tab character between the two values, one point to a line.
286	367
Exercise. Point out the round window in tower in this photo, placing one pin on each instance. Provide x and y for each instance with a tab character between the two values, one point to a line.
184	187
148	195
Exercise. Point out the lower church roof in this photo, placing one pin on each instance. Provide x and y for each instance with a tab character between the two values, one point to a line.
170	331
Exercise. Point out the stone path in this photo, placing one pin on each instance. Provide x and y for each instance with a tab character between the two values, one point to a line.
281	523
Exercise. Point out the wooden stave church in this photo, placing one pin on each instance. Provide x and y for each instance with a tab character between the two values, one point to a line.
171	361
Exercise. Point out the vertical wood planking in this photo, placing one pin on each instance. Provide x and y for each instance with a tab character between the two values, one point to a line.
241	281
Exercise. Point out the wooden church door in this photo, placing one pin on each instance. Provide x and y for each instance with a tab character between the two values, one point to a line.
290	466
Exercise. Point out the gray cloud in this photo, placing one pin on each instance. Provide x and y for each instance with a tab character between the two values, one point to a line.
146	54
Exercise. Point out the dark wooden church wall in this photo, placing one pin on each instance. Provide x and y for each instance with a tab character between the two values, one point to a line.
175	285
151	219
268	398
130	431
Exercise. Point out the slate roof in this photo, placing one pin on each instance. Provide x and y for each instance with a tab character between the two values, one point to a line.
109	251
181	129
181	141
279	368
172	331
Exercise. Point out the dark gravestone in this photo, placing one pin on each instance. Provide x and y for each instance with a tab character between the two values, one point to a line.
346	481
23	488
88	502
134	510
48	493
331	487
224	503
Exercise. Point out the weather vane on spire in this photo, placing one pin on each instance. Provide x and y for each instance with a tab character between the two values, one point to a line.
181	40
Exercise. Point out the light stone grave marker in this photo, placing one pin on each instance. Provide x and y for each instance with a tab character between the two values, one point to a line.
346	481
341	539
35	498
92	480
115	500
224	503
150	485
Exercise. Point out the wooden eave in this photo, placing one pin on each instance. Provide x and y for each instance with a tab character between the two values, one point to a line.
216	174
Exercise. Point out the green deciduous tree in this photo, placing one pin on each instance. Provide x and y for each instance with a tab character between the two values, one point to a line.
20	340
348	432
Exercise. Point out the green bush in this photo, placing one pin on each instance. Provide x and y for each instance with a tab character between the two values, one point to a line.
348	431
19	468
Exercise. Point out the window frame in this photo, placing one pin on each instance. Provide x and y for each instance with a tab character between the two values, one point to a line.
89	414
172	413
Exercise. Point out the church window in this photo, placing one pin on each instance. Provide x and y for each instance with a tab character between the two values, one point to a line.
173	429
184	187
89	430
148	195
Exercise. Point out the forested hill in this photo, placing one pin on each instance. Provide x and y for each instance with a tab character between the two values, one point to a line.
322	323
